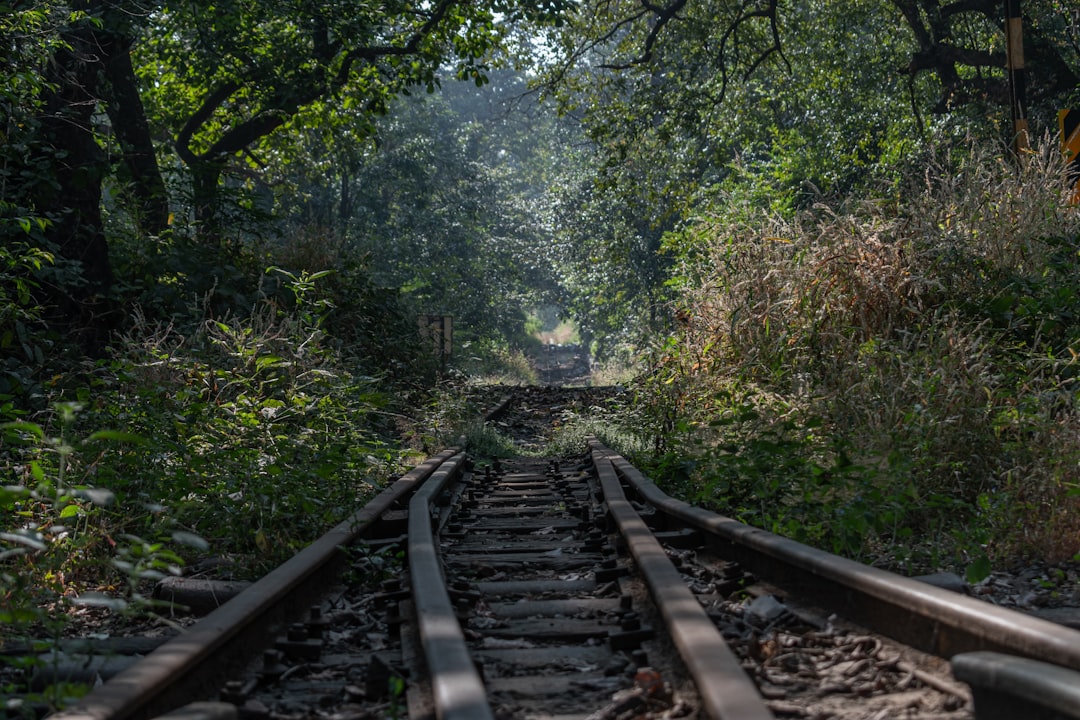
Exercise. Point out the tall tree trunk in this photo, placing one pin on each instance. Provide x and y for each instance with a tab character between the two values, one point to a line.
205	179
128	118
73	201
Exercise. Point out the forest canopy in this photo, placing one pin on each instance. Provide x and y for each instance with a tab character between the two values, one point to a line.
141	135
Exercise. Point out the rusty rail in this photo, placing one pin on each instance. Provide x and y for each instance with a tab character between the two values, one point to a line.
192	664
929	618
726	691
458	692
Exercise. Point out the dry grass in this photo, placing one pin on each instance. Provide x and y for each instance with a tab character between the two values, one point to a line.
933	334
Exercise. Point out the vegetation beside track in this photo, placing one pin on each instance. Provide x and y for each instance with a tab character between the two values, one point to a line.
892	378
854	329
240	438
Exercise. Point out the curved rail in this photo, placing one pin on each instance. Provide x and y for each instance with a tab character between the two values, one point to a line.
726	691
929	618
458	691
192	664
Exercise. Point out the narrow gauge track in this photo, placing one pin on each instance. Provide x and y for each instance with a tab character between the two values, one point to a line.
565	599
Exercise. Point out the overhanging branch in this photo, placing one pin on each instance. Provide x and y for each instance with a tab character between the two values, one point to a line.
664	15
212	102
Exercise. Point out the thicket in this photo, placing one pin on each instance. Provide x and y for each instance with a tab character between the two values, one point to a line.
894	377
238	436
217	232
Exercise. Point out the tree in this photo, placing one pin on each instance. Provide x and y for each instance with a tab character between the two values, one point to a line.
709	104
73	59
440	209
690	74
116	83
613	272
226	75
962	44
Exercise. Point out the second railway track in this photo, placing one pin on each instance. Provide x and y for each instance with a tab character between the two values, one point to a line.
572	588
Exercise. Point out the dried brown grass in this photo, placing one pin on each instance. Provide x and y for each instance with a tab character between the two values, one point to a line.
873	316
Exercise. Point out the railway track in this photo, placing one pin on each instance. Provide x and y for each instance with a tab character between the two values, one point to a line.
573	588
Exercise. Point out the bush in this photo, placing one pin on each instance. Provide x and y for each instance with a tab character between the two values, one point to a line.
872	373
23	337
245	438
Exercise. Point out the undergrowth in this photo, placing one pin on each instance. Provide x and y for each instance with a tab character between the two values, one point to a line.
242	438
893	379
488	363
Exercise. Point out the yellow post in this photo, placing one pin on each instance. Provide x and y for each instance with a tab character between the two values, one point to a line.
1014	64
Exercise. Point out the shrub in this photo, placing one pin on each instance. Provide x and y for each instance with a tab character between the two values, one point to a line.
874	372
245	438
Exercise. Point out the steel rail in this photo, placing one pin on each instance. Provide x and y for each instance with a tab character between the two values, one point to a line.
929	618
727	693
193	664
457	690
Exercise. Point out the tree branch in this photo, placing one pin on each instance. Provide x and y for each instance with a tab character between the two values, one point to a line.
769	13
989	8
664	15
914	20
374	52
212	102
939	56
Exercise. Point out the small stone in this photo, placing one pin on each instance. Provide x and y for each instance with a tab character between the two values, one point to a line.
765	609
946	581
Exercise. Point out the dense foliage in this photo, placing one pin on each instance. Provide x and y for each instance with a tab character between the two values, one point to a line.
220	221
862	339
889	380
218	225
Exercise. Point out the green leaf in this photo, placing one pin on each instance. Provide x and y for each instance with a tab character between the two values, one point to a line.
978	570
118	436
69	511
24	537
267	361
4	557
281	271
95	599
17	615
190	539
98	496
26	427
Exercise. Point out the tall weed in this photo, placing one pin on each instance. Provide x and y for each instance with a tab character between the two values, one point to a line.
264	434
908	364
252	434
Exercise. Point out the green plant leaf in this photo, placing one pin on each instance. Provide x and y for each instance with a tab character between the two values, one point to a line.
95	599
190	539
24	537
118	436
978	570
268	361
98	496
26	427
18	615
